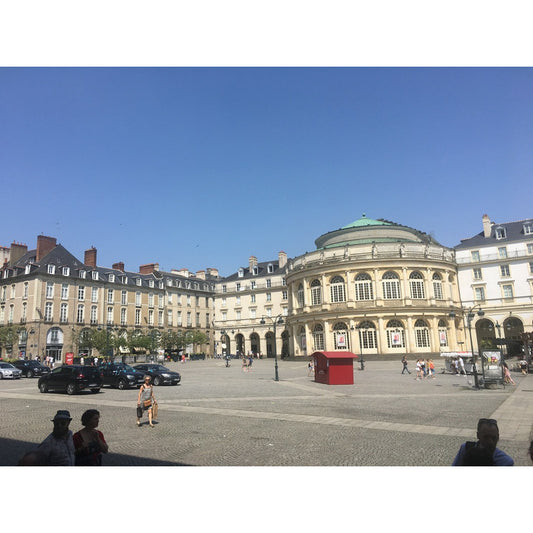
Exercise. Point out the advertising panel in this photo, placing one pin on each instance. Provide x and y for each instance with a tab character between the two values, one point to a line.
491	363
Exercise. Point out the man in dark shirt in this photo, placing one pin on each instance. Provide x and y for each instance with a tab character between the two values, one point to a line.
488	435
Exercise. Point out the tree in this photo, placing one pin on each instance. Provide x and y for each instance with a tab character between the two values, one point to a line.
8	337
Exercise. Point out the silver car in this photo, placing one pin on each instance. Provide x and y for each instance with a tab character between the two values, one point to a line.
8	371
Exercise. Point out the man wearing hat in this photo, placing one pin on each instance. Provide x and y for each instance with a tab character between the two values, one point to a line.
58	448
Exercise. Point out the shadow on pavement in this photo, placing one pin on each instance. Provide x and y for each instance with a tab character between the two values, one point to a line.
12	450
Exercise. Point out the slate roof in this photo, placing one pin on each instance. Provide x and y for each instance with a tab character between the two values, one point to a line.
514	233
262	270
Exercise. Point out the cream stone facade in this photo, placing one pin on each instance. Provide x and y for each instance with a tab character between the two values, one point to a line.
52	298
495	269
373	287
252	295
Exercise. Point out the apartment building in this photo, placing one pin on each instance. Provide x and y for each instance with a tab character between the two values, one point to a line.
495	270
53	297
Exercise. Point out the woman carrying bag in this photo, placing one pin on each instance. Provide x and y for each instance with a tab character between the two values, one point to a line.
145	401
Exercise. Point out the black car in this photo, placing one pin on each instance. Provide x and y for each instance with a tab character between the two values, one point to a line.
120	375
31	368
160	374
72	379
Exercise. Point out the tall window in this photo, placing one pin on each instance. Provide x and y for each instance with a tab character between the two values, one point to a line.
337	290
318	337
81	313
48	310
94	294
94	314
367	335
421	334
63	313
81	293
110	315
189	319
110	296
138	299
505	271
64	291
507	291
180	321
49	289
479	294
316	292
300	295
416	284
437	287
391	286
443	333
137	317
340	335
150	299
25	293
124	320
477	273
363	287
24	311
395	334
124	297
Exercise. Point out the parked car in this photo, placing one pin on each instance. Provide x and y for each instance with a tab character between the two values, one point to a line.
31	368
71	379
120	375
160	374
8	371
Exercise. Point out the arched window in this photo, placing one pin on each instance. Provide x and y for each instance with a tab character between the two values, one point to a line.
421	334
302	338
391	286
395	334
340	334
363	287
367	335
300	295
416	284
318	337
437	287
337	290
316	292
443	333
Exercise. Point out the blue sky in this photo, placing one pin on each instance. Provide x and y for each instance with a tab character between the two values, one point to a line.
203	167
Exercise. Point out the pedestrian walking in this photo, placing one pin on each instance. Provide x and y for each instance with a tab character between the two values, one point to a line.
404	363
310	368
244	364
145	400
89	442
250	362
507	375
431	369
419	370
461	365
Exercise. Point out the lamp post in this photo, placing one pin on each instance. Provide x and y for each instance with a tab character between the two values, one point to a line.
470	315
363	326
275	321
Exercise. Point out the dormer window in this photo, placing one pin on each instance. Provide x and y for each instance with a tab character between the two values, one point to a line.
528	228
241	272
51	269
66	271
112	278
161	285
500	233
83	274
151	283
125	279
27	270
270	268
94	275
138	282
255	270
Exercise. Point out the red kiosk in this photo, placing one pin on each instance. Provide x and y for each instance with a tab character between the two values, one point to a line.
334	368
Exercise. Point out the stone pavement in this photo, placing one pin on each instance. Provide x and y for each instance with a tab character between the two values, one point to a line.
222	416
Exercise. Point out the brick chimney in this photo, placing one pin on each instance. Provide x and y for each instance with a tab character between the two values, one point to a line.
200	274
44	246
282	259
487	226
90	257
148	268
16	252
252	262
118	266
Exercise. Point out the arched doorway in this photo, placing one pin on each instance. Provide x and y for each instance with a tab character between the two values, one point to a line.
54	344
285	344
485	334
254	343
239	343
269	337
513	328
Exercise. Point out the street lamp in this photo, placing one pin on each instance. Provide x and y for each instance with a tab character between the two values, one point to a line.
362	326
470	315
275	321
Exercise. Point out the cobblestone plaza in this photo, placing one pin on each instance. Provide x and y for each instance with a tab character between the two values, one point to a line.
222	416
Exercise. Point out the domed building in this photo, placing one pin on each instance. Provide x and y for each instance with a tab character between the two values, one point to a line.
373	287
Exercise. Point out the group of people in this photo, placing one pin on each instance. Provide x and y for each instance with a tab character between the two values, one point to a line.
87	446
425	369
63	448
247	361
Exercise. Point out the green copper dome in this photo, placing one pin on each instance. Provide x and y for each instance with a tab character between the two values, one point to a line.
364	221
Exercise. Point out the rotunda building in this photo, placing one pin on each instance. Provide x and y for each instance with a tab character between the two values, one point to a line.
373	287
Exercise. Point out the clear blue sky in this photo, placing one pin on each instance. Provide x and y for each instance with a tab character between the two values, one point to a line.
203	167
